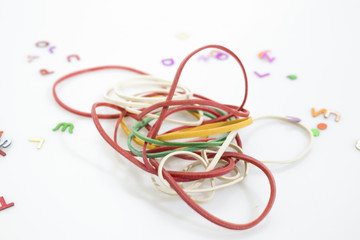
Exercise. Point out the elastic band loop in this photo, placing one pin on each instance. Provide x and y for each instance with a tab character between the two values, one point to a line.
207	129
287	119
85	114
217	220
176	80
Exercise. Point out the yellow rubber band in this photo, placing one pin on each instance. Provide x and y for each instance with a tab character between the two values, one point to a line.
207	129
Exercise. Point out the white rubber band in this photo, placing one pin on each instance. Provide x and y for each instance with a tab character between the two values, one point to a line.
133	103
209	164
289	120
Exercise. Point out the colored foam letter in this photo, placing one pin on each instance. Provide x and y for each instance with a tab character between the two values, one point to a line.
31	58
73	56
292	76
168	62
39	140
42	44
262	75
45	72
221	56
314	114
64	126
213	53
5	143
337	118
51	49
265	55
203	57
2	153
261	55
5	205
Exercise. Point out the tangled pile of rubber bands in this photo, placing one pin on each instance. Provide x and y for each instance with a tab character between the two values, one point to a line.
221	156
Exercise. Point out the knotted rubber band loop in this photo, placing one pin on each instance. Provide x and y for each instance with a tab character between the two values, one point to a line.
179	176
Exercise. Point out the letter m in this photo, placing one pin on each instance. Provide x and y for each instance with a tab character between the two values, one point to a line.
64	127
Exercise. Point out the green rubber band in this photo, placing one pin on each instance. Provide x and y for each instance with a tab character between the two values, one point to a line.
163	154
186	146
140	124
160	154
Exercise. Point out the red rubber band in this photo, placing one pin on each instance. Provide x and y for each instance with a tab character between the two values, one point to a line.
85	114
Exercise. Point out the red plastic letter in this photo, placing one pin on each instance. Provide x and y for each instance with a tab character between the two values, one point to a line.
4	205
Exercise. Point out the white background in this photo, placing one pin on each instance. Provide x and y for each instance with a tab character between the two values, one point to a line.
77	187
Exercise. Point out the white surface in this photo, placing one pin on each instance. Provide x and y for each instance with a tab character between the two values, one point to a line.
77	187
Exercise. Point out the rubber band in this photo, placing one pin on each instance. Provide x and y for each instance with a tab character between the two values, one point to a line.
130	103
141	142
138	125
297	124
209	165
207	129
179	176
194	188
217	220
193	141
197	157
135	139
185	93
176	80
85	114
